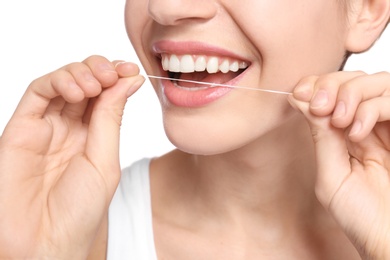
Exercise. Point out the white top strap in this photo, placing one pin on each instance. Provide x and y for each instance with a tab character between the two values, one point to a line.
130	228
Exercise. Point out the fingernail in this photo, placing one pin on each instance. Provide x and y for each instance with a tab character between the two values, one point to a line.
356	127
340	110
303	92
119	63
320	99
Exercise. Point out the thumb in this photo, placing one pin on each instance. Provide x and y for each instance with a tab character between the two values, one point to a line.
332	155
102	146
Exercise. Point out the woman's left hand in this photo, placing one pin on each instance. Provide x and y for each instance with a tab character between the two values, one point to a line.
349	117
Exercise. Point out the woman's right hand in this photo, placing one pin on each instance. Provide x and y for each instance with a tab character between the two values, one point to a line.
59	161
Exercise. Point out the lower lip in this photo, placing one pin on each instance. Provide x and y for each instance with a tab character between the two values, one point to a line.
197	98
192	98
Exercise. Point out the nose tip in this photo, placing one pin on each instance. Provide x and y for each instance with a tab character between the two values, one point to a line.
173	12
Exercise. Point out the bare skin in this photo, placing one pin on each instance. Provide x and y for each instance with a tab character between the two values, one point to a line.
259	141
70	166
236	229
268	187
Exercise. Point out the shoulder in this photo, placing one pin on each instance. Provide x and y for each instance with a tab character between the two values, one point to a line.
133	186
136	174
130	233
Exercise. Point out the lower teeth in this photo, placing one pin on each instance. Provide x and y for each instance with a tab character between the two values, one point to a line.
176	84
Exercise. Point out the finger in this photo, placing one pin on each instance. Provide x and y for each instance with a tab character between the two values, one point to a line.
319	91
355	91
324	91
327	89
126	69
367	115
55	106
88	111
64	82
84	77
75	111
103	70
41	91
332	156
103	138
304	90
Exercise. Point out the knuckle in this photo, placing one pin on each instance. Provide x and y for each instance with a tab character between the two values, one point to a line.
328	81
102	69
384	74
95	58
366	108
59	77
309	79
35	82
348	87
359	73
97	62
70	67
350	91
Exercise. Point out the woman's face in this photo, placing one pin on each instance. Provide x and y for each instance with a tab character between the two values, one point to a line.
254	43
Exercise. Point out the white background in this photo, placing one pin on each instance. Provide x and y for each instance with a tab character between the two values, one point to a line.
38	36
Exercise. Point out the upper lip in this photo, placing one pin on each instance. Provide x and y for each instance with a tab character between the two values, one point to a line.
193	47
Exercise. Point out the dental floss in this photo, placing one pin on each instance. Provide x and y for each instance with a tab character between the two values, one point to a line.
221	85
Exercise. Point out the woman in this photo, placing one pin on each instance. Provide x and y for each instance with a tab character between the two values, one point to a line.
247	181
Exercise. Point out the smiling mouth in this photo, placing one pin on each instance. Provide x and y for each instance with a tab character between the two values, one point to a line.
212	69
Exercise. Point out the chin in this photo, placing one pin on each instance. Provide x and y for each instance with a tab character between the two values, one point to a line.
214	130
210	139
202	145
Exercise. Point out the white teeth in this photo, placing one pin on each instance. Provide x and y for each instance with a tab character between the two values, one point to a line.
234	66
200	64
191	63
224	67
174	64
165	62
189	88
187	64
212	65
243	65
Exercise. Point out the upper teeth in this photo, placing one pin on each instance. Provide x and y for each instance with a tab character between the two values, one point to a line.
191	63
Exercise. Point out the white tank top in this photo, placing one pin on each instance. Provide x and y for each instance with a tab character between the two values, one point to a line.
130	229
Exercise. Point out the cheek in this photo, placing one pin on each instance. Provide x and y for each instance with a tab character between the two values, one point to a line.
300	39
136	18
131	22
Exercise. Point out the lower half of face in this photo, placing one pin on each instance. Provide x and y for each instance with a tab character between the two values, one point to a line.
256	44
231	121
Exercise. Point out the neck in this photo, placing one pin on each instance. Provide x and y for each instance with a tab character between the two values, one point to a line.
271	180
260	196
271	176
